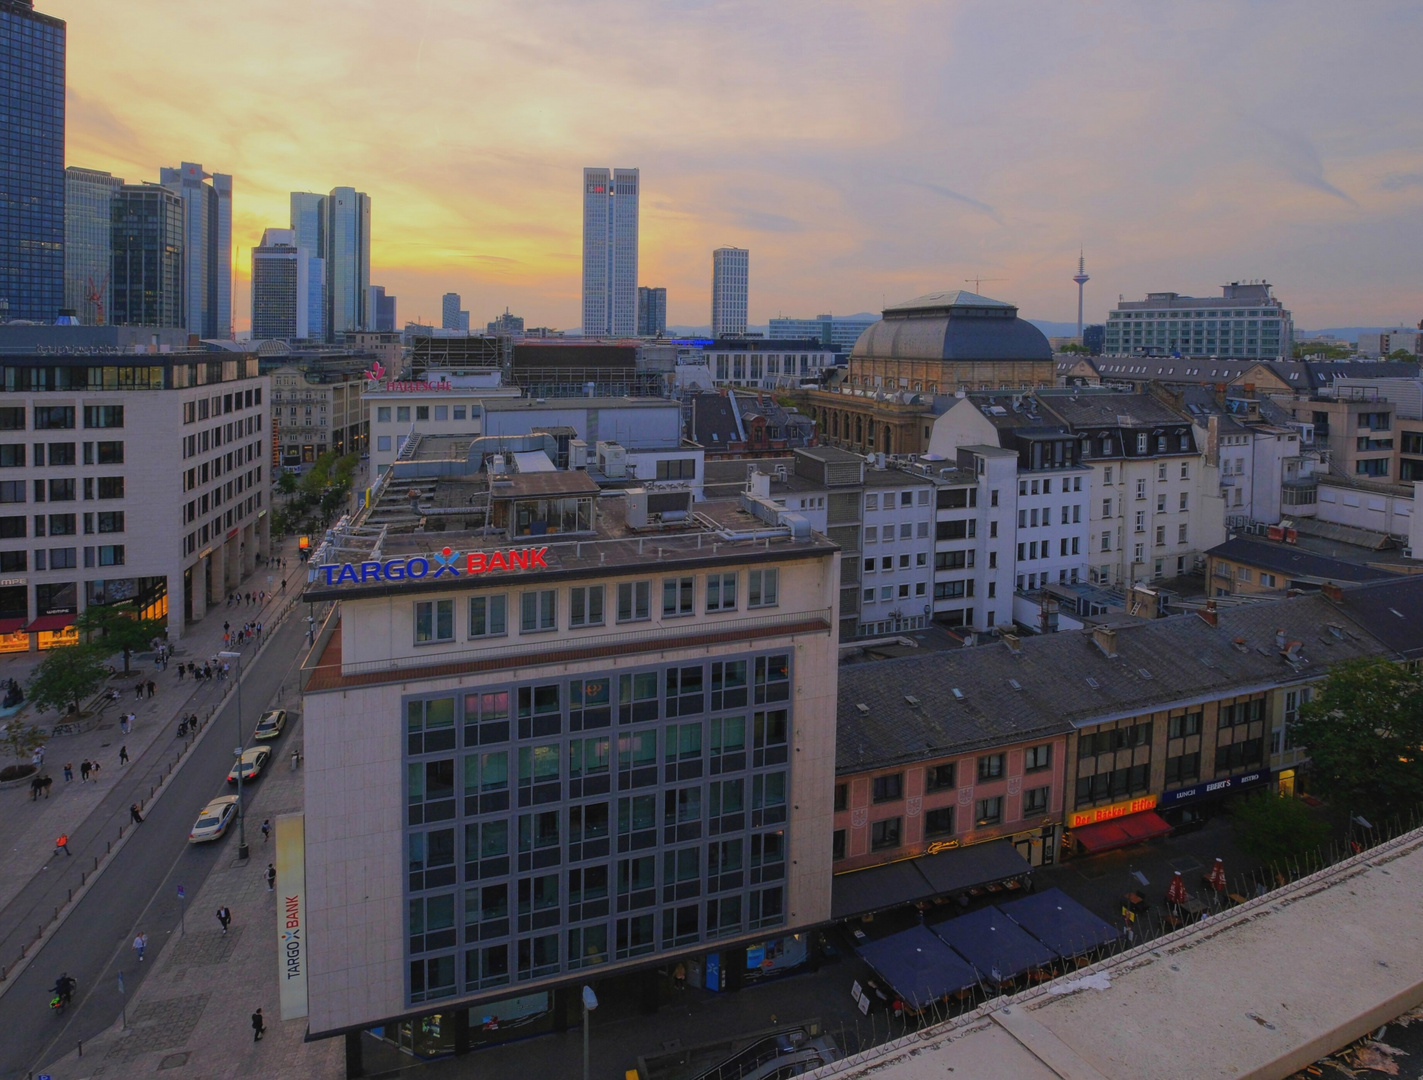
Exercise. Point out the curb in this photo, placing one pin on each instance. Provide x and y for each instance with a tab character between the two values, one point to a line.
11	974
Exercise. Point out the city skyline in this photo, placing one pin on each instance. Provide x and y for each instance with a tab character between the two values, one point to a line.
1183	168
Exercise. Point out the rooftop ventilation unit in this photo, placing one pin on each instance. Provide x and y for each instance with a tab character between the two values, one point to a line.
1143	673
1093	683
912	700
1015	684
863	708
958	694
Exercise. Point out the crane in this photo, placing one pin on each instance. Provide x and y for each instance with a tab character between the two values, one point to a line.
96	297
976	280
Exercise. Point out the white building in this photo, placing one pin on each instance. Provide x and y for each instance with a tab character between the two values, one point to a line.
138	477
757	363
831	330
730	266
1245	322
1379	343
610	216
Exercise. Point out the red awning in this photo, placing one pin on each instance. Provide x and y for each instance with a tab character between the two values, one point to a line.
51	622
1122	831
11	626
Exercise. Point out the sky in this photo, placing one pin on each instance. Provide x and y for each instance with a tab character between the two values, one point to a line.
865	151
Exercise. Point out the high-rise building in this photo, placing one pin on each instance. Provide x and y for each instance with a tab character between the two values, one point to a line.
88	242
308	223
452	316
280	282
610	252
831	330
729	270
347	235
207	248
651	311
380	309
147	238
32	51
506	325
1244	323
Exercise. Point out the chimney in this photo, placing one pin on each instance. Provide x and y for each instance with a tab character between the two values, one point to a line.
1210	615
1014	643
1332	591
1279	639
1106	640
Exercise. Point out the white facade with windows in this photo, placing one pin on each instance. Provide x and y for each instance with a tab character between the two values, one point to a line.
763	363
730	270
1246	322
610	223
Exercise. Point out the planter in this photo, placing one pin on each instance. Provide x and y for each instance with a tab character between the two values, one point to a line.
16	775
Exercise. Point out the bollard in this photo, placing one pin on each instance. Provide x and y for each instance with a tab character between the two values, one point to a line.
108	848
81	1047
96	862
71	896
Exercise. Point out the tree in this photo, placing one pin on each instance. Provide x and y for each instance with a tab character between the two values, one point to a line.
65	675
286	483
1320	351
22	740
1401	354
1274	830
1073	347
1364	731
122	629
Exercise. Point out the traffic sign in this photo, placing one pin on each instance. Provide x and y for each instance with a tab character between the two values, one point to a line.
181	893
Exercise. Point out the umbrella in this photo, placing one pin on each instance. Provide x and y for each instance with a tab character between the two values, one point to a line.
1176	891
1217	876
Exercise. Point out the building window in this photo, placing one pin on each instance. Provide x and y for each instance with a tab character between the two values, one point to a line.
762	588
989	811
842	796
538	611
1035	801
721	592
939	821
434	621
1183	767
634	601
990	767
1037	757
888	788
383	417
1178	727
885	834
677	597
586	606
488	616
837	845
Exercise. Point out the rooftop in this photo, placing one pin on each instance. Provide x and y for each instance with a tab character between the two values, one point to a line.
1392	611
958	325
1293	561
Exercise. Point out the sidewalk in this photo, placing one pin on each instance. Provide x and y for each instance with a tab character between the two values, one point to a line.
193	1011
91	814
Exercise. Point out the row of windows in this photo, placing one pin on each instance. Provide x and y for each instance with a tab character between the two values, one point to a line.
989	767
108	521
423	412
219	404
64	489
888	833
891	501
60	417
12	455
587	605
66	558
1030	518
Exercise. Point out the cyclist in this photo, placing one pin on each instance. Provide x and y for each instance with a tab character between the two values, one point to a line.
63	991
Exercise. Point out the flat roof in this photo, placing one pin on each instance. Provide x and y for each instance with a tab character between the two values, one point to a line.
510	404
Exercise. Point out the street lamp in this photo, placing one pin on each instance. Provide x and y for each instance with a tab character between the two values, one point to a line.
590	1002
241	745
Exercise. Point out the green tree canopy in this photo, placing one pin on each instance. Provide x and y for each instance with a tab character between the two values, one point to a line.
1274	830
1364	734
119	629
65	675
22	740
1401	354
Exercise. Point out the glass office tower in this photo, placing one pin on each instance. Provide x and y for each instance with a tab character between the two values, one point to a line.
147	281
88	243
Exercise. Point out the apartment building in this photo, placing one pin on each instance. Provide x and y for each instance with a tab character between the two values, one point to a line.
317	407
127	478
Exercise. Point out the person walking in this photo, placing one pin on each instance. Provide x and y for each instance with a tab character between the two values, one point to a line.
271	877
224	916
62	844
152	686
84	768
134	815
123	755
138	692
180	672
259	1026
139	944
68	771
94	771
266	829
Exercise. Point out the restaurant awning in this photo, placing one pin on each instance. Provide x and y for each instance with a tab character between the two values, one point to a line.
10	626
879	888
996	946
918	966
51	623
1121	832
1059	922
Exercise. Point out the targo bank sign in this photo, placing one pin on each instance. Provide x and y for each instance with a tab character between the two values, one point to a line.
454	563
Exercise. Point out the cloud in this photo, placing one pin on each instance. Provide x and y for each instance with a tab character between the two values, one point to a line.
956	196
763	221
1402	181
1297	155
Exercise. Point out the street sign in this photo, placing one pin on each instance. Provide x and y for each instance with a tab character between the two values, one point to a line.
181	893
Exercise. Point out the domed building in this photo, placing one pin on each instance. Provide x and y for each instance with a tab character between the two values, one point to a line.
905	369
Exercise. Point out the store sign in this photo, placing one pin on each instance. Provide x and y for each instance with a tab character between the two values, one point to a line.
406	386
291	915
1217	787
940	845
1115	810
447	561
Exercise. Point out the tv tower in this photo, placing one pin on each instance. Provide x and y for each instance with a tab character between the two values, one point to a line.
1081	278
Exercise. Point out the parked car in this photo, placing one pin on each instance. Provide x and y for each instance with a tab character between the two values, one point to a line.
252	763
212	823
272	724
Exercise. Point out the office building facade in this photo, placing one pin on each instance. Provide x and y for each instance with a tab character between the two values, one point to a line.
308	223
346	224
32	69
610	221
89	242
452	317
279	287
207	248
1245	322
651	311
729	278
841	333
381	309
148	283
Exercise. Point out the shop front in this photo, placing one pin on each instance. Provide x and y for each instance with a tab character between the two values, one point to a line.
994	867
1117	825
1190	807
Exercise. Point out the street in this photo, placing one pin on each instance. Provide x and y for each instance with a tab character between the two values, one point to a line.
139	890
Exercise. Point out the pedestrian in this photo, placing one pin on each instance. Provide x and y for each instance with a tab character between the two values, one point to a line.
226	638
266	829
139	944
94	771
152	686
123	754
180	672
224	916
46	781
68	771
134	815
38	759
35	785
679	976
138	692
271	877
84	768
259	1026
62	844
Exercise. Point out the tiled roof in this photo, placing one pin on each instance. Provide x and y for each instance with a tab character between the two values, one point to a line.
1292	560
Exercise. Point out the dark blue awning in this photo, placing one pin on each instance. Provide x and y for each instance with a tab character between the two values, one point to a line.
918	966
994	944
1060	922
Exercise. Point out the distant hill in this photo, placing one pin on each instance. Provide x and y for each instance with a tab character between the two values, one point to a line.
1055	329
1348	333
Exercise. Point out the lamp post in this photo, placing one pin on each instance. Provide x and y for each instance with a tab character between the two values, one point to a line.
241	745
590	1002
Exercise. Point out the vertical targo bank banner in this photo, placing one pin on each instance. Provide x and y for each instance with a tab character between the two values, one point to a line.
291	914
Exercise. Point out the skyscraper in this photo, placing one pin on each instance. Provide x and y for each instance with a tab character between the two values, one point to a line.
148	277
651	311
207	248
88	242
380	309
280	283
347	234
610	252
309	226
32	51
450	313
729	270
